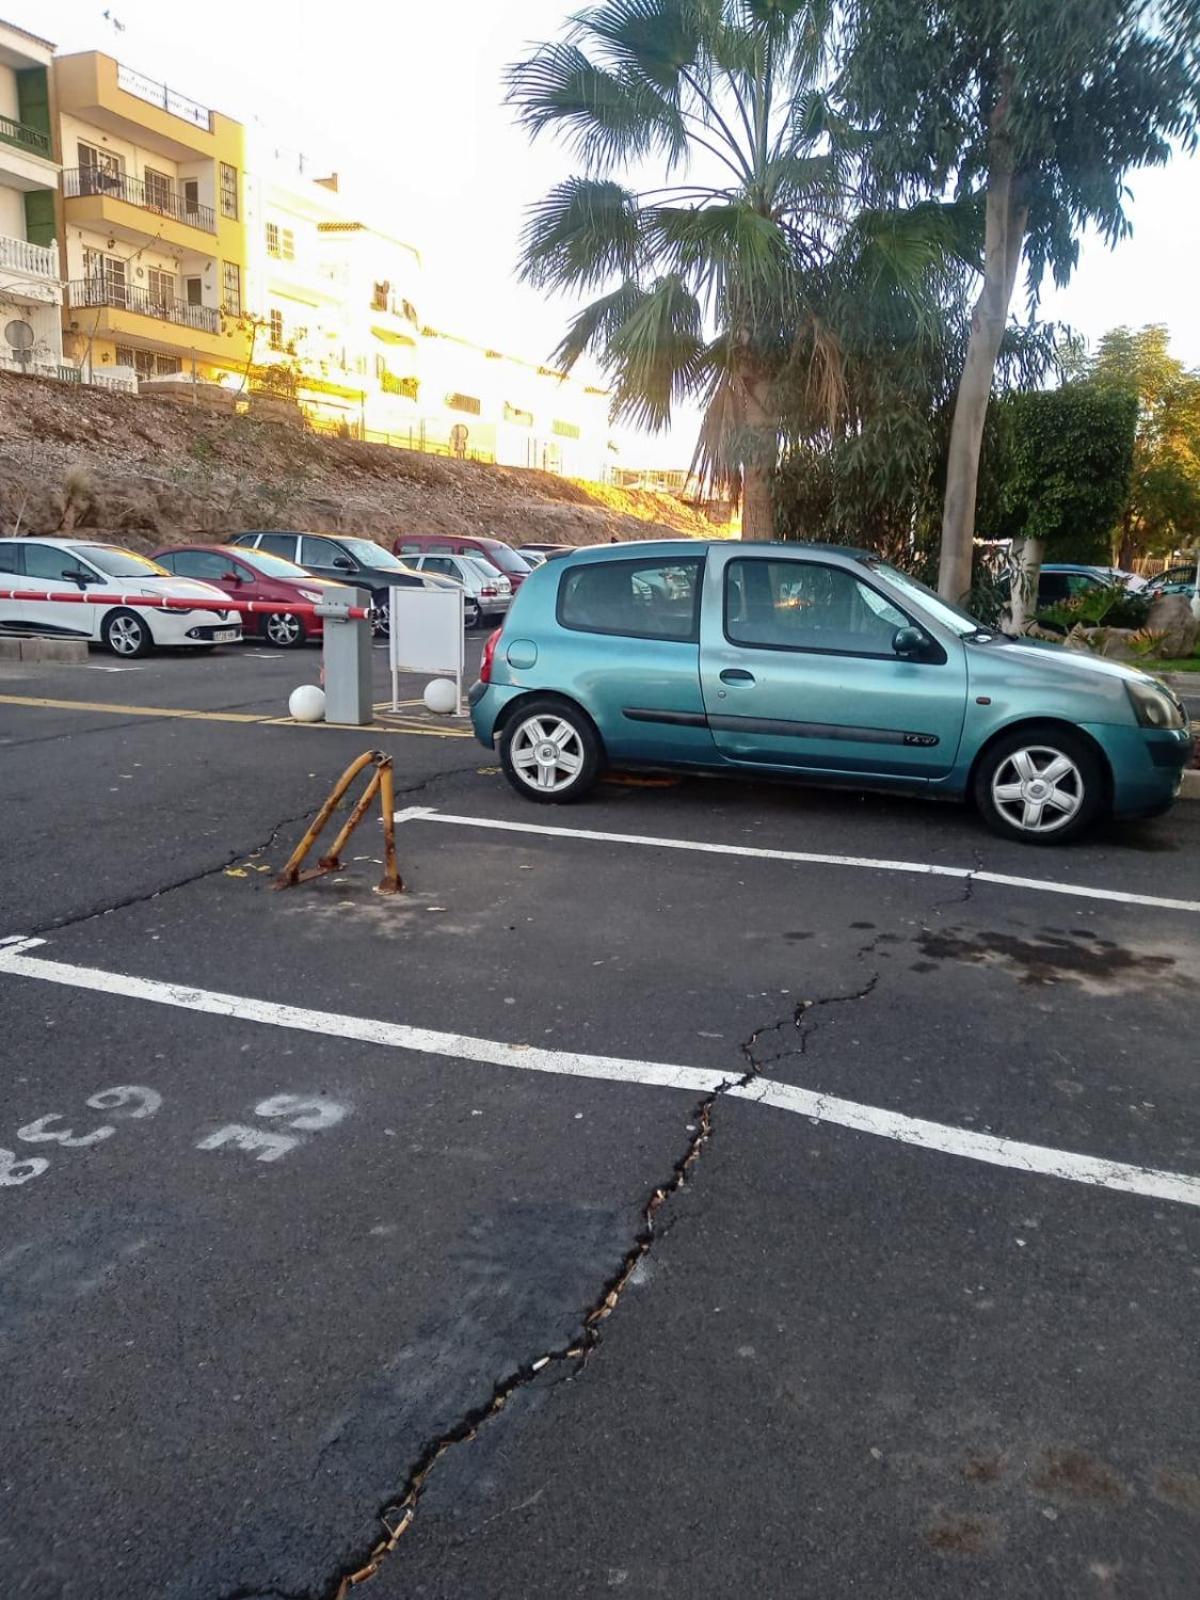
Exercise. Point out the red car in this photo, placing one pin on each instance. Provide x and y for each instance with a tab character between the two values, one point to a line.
257	575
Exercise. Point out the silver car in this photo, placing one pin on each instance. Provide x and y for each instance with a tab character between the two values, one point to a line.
489	592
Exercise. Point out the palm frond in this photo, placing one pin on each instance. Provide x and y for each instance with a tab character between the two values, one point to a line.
738	258
585	231
655	357
651	40
716	460
596	325
602	117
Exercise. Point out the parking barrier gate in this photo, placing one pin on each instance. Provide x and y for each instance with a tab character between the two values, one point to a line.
381	784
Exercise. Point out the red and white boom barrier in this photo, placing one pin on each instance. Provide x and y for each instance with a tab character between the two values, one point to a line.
159	602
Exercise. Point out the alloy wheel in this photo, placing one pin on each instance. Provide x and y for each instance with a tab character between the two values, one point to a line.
1037	789
125	636
547	753
283	629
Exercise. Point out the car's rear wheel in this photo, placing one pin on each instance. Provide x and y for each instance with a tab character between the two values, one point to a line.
381	615
472	616
1041	785
285	630
550	752
126	634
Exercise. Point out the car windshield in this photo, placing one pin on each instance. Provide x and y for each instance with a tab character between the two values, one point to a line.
372	554
116	563
271	566
950	616
480	567
507	560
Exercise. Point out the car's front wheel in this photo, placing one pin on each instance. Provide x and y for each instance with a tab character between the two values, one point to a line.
472	615
1041	785
550	752
126	634
284	630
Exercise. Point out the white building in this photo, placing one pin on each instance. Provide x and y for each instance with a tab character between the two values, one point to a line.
30	279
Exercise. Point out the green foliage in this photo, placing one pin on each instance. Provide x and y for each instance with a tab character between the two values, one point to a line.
1163	511
1093	608
1063	467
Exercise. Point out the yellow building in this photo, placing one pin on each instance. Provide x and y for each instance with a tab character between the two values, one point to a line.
153	239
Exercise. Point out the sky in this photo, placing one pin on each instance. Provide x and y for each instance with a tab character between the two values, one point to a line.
405	101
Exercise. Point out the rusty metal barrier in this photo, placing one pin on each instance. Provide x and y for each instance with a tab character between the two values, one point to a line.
381	785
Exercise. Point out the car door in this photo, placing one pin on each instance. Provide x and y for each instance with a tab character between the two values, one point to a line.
446	567
49	569
327	559
799	670
627	642
210	567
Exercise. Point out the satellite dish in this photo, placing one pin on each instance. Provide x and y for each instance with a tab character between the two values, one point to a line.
20	340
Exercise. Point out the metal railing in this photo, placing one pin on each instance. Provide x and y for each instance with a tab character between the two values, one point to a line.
25	137
163	202
85	292
38	260
157	94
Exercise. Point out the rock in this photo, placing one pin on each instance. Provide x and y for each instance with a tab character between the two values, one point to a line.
1171	615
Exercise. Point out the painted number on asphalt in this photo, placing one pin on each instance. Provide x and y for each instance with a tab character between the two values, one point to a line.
306	1113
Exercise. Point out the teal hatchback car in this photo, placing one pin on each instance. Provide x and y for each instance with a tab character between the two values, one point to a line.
818	663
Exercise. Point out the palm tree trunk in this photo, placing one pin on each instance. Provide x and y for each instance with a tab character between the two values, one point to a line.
1004	240
758	515
761	450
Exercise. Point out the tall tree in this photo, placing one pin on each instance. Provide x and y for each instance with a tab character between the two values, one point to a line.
1163	508
1035	110
704	273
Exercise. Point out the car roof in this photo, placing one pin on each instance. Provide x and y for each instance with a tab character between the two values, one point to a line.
671	547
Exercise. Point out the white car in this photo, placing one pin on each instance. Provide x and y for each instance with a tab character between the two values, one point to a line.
488	592
101	573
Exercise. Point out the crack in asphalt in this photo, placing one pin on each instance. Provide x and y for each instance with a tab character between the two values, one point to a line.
105	909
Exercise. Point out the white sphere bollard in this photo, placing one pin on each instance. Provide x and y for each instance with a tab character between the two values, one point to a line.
307	703
441	696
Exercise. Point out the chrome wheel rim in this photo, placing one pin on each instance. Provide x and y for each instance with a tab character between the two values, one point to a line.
1038	789
283	628
379	622
546	753
125	635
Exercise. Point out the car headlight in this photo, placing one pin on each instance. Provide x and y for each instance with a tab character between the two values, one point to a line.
1154	706
314	595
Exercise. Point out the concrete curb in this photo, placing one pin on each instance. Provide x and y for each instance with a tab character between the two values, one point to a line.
43	650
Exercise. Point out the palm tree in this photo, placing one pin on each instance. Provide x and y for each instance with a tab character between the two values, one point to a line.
702	279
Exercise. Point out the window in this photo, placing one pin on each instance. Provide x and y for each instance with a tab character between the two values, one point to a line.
48	563
160	189
272	238
442	564
275	329
205	564
99	170
380	296
464	402
231	288
9	549
515	414
281	242
566	430
195	291
648	599
229	191
318	552
107	273
160	286
167	366
804	605
191	195
279	544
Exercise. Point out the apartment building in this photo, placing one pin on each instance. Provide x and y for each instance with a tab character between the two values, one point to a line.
30	272
153	246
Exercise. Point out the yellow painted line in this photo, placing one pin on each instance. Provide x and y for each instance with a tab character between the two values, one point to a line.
108	708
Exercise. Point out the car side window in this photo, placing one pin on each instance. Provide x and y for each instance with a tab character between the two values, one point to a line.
202	564
805	605
44	561
656	599
10	552
441	564
279	544
319	552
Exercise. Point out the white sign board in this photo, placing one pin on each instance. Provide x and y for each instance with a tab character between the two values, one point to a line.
426	635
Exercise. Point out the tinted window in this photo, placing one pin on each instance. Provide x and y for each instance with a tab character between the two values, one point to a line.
504	558
119	563
441	564
279	544
202	564
8	556
44	561
1052	587
271	566
319	552
803	605
650	599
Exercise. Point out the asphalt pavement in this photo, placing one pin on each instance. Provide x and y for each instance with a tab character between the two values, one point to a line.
710	1187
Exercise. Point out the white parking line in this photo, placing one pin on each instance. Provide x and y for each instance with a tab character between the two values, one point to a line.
937	1136
1047	886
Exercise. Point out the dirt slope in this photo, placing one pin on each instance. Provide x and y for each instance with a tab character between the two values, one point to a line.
151	470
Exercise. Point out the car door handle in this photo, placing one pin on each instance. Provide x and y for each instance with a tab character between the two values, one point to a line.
736	675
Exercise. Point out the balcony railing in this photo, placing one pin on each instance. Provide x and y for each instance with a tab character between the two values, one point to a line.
86	292
31	140
37	260
157	94
163	202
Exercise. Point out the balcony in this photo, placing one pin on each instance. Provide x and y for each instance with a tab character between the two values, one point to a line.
79	182
157	94
30	260
106	292
31	140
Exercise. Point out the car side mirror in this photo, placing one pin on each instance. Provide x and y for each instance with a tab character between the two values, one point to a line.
80	579
344	564
908	642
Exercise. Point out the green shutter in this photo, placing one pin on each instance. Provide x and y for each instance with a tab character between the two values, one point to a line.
39	216
33	99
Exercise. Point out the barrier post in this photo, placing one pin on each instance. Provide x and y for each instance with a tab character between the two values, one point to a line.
347	660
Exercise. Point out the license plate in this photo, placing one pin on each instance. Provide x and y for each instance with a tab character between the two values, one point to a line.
226	635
